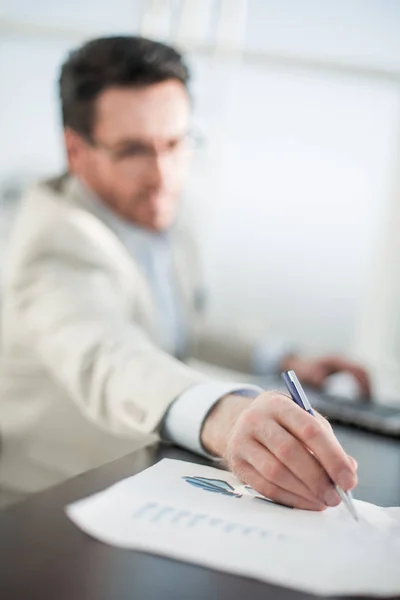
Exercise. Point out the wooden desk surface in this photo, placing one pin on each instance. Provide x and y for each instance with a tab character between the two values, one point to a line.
43	556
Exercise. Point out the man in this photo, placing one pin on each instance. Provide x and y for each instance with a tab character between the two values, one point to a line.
102	305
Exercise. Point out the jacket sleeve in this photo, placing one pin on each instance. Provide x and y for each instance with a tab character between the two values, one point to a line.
88	340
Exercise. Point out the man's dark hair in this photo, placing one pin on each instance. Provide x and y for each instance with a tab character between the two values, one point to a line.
123	61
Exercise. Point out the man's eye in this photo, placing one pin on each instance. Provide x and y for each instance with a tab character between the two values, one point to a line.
174	144
131	151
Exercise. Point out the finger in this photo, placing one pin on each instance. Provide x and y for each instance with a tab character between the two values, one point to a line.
353	461
362	378
301	463
251	476
322	443
274	471
324	421
337	364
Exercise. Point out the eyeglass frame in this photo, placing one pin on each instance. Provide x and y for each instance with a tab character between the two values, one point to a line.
146	150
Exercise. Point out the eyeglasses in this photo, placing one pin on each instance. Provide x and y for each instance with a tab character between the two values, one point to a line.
135	156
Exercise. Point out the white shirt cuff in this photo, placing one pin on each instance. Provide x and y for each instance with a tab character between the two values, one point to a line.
184	420
268	356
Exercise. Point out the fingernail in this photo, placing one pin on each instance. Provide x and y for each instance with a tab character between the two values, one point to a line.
331	497
346	479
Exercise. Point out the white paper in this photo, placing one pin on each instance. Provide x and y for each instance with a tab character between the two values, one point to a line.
161	512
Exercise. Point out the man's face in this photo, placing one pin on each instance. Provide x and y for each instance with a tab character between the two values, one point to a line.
139	158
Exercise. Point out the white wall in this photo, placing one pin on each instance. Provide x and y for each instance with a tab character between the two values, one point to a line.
306	161
293	188
356	31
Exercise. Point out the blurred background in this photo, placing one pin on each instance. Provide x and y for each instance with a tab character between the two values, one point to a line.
296	191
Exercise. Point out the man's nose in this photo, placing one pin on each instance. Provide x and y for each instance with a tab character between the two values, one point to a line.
160	168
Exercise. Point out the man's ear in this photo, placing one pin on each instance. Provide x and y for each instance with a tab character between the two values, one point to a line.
76	149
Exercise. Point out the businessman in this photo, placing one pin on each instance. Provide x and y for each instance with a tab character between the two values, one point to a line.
102	305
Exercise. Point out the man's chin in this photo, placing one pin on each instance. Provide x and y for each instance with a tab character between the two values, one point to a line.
159	223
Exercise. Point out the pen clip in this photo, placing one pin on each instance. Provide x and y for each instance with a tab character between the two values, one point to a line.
299	389
292	389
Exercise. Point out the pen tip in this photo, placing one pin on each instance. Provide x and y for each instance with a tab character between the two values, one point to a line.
355	515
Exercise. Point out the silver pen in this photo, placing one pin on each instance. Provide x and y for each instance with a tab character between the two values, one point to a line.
299	397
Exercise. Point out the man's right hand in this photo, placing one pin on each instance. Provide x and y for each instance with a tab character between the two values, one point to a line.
280	450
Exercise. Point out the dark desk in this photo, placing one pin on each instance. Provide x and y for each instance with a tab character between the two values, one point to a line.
43	556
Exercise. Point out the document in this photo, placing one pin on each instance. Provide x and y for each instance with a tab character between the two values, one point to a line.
206	516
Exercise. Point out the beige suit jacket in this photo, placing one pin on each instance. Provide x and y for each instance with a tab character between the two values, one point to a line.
82	377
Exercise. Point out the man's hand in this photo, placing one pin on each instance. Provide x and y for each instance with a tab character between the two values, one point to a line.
280	450
315	371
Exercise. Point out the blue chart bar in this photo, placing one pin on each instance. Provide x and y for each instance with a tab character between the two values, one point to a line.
162	513
152	512
179	515
145	509
195	519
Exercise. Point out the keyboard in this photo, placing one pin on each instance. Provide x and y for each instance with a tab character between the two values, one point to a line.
379	418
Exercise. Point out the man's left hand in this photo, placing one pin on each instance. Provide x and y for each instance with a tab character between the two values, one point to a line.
314	371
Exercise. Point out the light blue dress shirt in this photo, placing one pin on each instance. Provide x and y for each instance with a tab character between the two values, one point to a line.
183	421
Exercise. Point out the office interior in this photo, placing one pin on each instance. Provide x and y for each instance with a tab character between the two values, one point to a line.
294	193
295	190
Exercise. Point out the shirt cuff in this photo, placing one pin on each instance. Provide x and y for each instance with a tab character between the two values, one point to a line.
268	356
184	420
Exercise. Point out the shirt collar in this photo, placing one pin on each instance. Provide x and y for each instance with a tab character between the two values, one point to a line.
124	229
